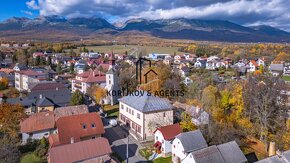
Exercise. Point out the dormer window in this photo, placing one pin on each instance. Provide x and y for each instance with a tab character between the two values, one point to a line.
84	126
93	125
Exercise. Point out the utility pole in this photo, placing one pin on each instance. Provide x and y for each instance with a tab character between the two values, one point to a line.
127	155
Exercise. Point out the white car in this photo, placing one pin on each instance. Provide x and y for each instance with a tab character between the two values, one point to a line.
113	122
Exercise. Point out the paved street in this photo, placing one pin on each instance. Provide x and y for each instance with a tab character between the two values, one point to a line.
118	141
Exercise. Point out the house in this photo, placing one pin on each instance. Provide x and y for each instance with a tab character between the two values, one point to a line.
37	126
80	66
139	113
19	67
120	56
24	79
184	71
187	81
286	71
88	78
43	98
261	61
154	56
70	110
185	143
5	45
280	157
95	150
163	137
200	64
38	54
9	76
189	57
224	153
76	128
276	69
252	66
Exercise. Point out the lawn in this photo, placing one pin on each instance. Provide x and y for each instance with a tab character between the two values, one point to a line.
286	78
163	160
112	111
30	158
130	48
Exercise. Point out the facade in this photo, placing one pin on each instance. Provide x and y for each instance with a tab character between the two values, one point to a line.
252	66
25	79
88	78
139	113
276	69
163	137
112	85
185	143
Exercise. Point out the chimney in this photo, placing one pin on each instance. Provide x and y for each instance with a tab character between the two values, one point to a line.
72	140
56	88
93	72
40	95
272	150
99	73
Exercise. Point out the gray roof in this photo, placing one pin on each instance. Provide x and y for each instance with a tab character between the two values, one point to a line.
145	103
276	67
232	153
283	158
192	141
111	71
208	155
59	97
26	102
43	102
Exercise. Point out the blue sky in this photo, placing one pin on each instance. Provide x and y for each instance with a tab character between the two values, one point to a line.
275	13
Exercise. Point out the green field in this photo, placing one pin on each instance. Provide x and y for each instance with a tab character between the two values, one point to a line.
286	78
30	158
163	160
121	49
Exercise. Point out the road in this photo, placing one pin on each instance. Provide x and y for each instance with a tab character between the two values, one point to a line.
118	140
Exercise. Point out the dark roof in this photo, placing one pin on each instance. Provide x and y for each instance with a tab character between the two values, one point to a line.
80	151
232	153
283	157
48	86
208	155
192	141
72	127
251	157
276	67
26	102
145	103
170	131
111	71
44	102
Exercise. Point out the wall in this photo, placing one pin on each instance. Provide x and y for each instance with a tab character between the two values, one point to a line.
178	150
37	135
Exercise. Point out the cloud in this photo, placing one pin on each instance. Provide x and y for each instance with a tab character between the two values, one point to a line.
27	12
245	12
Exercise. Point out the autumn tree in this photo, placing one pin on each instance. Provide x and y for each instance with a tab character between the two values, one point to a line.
186	122
100	94
4	82
9	149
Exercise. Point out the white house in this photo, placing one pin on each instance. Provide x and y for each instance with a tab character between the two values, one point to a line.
276	69
88	78
185	143
187	81
200	64
261	61
224	153
140	110
158	56
37	126
163	137
252	66
24	79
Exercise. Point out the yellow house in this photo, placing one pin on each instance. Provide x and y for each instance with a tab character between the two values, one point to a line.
44	104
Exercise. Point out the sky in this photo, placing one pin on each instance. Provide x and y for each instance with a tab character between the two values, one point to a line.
275	13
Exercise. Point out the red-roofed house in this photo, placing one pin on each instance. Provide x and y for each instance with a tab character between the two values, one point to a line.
95	150
37	126
252	66
164	136
36	54
77	128
88	78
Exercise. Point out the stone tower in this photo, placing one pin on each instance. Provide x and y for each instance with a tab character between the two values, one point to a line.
112	85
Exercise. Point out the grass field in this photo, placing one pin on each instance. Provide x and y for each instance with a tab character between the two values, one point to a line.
132	48
30	158
163	160
286	78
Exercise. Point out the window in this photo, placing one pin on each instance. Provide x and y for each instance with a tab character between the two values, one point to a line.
162	141
156	138
84	126
138	115
122	106
93	137
93	125
139	129
126	109
132	112
129	110
173	146
164	114
45	134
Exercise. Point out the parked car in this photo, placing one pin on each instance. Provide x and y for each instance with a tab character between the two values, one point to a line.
113	122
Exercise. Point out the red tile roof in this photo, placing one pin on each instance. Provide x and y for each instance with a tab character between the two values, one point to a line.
72	127
169	132
30	73
254	63
38	122
47	86
93	76
53	140
81	151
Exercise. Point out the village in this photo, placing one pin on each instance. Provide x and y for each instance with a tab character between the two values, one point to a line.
76	108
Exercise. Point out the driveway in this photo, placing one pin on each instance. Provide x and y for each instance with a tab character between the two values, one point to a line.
118	137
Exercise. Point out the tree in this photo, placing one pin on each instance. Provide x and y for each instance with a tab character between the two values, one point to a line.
10	116
186	122
4	83
77	98
100	94
71	68
58	68
48	61
8	150
14	58
37	60
210	97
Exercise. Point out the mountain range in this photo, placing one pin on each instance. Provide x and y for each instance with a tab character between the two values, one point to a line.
60	28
